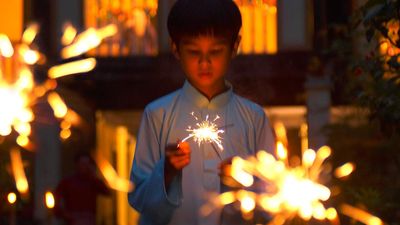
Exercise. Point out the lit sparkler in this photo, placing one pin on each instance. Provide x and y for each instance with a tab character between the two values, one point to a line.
18	91
206	131
18	171
114	181
285	191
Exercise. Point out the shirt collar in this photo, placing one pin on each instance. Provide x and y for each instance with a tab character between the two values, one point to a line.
201	101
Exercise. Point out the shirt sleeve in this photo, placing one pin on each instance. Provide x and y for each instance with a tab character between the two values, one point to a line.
149	196
265	137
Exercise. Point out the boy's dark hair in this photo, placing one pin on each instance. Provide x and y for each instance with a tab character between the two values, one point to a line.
220	18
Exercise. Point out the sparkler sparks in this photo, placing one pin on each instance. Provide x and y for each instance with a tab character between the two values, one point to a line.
206	131
284	191
18	91
114	181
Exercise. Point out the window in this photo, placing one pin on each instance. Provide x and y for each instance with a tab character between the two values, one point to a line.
259	30
136	21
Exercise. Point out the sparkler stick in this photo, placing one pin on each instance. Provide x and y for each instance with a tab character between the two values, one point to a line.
206	132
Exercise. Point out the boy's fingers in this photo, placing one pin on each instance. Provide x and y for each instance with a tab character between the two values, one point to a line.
184	147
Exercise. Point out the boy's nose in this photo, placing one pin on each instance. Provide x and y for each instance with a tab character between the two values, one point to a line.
204	59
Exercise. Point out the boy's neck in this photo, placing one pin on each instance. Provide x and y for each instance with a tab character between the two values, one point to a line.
212	91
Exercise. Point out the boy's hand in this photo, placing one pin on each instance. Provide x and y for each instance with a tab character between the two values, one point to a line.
176	158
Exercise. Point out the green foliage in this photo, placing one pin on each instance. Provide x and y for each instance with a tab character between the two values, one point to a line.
376	77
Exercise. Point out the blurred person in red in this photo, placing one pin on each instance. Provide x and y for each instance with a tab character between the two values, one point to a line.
76	195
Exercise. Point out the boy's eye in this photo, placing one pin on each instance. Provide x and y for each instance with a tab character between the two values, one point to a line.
216	51
193	52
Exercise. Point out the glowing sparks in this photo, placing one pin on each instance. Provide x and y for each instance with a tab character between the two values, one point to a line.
288	191
30	33
68	35
49	199
113	180
18	171
80	66
18	91
360	215
57	104
206	131
87	40
344	170
6	48
12	198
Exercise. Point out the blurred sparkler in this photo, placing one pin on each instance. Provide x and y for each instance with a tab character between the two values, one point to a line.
111	176
18	171
206	131
270	184
18	91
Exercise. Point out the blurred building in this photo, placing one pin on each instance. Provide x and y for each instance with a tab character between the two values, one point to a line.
281	66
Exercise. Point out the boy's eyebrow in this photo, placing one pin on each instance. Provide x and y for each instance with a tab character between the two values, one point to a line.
190	42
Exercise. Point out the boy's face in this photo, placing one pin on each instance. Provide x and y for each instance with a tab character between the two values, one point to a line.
205	60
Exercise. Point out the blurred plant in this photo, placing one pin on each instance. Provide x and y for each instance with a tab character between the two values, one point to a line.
376	72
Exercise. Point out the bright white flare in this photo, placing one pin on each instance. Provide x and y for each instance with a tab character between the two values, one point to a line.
206	132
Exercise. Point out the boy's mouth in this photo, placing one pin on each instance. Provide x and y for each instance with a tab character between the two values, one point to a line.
205	74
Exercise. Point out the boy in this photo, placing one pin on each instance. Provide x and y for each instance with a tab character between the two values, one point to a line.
173	179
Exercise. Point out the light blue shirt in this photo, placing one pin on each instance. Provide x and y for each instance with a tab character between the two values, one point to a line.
165	121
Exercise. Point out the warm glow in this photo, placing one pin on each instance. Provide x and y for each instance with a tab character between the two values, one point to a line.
18	171
281	151
12	18
23	128
247	204
206	132
72	118
308	157
6	48
280	132
87	40
272	30
322	154
12	198
331	214
18	91
57	104
136	20
30	33
227	198
65	125
304	136
260	27
22	141
50	201
344	170
68	35
282	190
107	31
239	174
79	66
283	187
29	56
25	80
14	110
113	180
65	133
360	215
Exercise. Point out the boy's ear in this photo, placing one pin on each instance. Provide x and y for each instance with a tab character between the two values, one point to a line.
174	49
236	46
